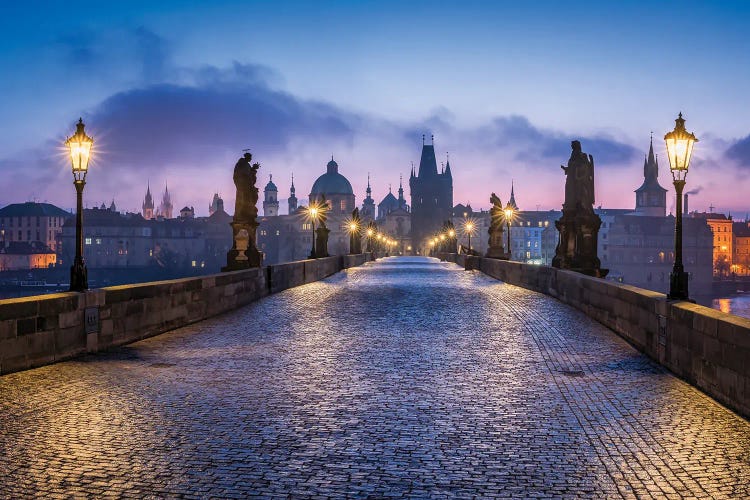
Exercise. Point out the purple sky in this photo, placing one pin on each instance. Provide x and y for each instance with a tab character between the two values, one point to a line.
173	93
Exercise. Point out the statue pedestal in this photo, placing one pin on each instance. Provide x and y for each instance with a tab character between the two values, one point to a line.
244	254
496	249
577	248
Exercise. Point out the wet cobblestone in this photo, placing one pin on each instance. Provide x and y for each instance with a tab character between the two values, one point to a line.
403	378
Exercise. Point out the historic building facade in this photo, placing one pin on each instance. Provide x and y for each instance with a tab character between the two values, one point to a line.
33	224
431	198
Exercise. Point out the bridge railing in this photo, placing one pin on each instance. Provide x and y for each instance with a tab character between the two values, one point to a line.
707	348
43	329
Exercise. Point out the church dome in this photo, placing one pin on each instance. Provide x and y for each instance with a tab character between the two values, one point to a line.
271	186
332	182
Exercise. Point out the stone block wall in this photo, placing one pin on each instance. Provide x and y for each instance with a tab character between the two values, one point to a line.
39	330
703	346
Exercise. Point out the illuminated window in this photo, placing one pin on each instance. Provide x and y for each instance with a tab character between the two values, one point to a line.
193	263
88	241
98	241
343	205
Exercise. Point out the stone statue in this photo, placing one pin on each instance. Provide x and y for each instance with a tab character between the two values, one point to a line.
244	253
355	236
579	225
579	182
497	215
245	177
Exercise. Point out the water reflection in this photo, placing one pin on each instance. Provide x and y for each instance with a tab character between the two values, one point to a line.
738	305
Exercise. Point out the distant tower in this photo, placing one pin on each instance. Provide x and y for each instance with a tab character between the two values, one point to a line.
270	199
292	198
112	206
431	197
217	205
148	204
368	205
165	209
401	201
651	198
512	201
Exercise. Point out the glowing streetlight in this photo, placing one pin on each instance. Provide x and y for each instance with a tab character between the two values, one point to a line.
509	212
79	145
469	227
314	211
679	150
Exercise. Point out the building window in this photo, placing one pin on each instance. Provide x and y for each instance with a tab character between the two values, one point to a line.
88	241
278	232
342	204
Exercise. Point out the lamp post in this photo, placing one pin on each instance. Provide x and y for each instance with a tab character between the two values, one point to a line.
312	213
79	145
679	150
508	212
354	235
469	229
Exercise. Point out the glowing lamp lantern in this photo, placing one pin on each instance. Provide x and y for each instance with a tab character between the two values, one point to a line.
79	145
679	148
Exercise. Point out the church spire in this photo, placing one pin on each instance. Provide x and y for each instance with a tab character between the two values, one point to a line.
512	201
448	165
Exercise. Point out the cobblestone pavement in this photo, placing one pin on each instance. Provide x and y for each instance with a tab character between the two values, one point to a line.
406	377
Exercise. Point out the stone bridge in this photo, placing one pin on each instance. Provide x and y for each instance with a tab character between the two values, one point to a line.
405	377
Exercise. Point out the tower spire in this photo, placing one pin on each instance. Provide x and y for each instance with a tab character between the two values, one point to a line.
512	201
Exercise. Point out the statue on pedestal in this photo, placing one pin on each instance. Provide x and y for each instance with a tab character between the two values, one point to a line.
495	249
355	234
579	225
244	253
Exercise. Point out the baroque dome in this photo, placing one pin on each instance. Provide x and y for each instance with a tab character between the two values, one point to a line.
332	182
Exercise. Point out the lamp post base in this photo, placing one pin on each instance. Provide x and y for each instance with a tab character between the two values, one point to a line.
78	276
678	286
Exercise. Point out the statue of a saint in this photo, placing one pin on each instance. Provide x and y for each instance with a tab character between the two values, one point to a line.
495	249
245	176
579	181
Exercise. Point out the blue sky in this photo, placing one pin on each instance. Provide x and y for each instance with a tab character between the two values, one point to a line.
173	91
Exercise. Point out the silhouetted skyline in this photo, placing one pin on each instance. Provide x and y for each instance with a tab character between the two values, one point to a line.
173	92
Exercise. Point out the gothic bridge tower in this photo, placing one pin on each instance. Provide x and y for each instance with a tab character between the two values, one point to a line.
431	197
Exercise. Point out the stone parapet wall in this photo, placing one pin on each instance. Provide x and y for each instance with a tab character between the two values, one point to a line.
39	330
703	346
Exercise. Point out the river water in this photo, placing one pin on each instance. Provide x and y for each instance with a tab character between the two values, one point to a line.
737	304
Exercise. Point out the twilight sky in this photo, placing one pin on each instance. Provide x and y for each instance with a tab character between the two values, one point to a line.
173	91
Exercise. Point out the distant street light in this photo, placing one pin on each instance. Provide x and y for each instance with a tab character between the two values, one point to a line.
79	145
679	150
469	227
509	212
313	212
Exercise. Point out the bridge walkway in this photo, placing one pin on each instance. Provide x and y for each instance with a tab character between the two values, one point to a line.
404	377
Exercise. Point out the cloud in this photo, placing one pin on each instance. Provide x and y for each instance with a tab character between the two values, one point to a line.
740	152
190	130
534	144
229	110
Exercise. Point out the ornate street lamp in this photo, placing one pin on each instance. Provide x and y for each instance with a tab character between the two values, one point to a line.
79	145
679	150
509	212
